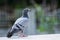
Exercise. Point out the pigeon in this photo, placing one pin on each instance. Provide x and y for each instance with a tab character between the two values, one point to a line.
20	23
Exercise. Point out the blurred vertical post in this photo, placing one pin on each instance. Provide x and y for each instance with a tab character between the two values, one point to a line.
54	12
31	25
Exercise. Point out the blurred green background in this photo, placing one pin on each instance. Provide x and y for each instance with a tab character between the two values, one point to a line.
47	14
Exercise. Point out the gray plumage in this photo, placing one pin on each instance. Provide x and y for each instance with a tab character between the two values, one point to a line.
20	23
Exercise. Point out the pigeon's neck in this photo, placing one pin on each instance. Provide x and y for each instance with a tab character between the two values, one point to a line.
25	15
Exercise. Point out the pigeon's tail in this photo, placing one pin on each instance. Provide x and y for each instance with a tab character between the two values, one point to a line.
9	34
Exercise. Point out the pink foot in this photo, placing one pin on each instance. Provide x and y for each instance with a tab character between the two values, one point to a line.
23	36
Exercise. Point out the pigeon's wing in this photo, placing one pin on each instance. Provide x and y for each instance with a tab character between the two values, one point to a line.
21	20
20	23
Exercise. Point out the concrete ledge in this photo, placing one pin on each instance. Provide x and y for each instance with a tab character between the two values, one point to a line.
34	37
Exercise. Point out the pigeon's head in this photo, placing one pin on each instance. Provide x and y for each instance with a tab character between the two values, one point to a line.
26	11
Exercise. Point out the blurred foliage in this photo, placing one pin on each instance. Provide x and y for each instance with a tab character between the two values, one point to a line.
47	23
58	3
24	3
40	16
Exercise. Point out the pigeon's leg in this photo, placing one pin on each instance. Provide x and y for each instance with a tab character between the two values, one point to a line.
21	34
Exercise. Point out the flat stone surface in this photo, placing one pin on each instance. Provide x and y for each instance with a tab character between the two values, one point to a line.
34	37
